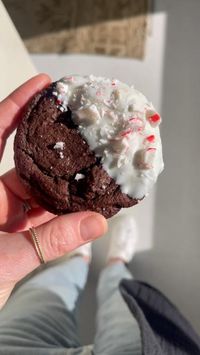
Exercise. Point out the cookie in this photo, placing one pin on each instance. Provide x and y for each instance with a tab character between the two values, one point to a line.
88	143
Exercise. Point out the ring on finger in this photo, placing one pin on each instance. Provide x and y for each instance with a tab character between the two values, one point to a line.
37	245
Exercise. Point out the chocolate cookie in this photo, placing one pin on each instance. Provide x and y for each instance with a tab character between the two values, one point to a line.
74	148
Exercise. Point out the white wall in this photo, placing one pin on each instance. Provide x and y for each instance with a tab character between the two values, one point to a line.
174	262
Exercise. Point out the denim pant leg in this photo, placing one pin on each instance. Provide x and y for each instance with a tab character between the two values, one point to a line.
39	317
117	331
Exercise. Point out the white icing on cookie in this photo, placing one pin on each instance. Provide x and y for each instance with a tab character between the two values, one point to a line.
120	126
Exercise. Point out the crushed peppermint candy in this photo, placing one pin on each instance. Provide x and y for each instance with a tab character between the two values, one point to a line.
153	118
127	132
67	78
144	159
150	138
120	126
151	149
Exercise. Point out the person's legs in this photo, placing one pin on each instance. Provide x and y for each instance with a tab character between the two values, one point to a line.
117	331
41	313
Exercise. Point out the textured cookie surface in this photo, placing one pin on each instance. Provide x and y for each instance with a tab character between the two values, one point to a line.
57	165
89	143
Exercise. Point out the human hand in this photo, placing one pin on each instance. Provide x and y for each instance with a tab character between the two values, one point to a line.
57	235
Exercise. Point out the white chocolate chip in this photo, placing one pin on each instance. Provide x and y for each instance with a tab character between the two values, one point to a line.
119	145
88	115
144	158
59	145
79	177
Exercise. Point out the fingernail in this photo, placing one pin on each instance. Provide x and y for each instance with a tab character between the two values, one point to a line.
92	227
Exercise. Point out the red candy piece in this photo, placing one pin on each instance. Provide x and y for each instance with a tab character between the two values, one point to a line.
138	122
150	138
70	78
151	149
126	133
154	118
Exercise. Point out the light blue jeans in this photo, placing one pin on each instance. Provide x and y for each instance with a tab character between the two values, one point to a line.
40	317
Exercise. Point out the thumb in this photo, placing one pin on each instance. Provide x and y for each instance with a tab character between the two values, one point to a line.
65	233
57	237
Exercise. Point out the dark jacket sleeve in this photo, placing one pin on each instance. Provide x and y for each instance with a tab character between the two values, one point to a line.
163	329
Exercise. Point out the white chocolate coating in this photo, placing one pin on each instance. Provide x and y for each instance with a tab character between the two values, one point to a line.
120	126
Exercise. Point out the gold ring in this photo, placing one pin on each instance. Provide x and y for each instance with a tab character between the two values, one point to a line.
37	245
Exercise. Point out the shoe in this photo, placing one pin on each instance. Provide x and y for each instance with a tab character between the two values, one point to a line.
124	235
84	250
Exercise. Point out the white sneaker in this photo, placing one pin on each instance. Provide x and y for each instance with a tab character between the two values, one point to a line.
83	250
124	235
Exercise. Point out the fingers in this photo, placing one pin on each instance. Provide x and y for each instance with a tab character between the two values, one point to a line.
57	237
11	107
14	214
11	209
18	211
12	194
68	232
12	182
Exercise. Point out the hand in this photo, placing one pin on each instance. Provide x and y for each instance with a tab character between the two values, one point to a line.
57	235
